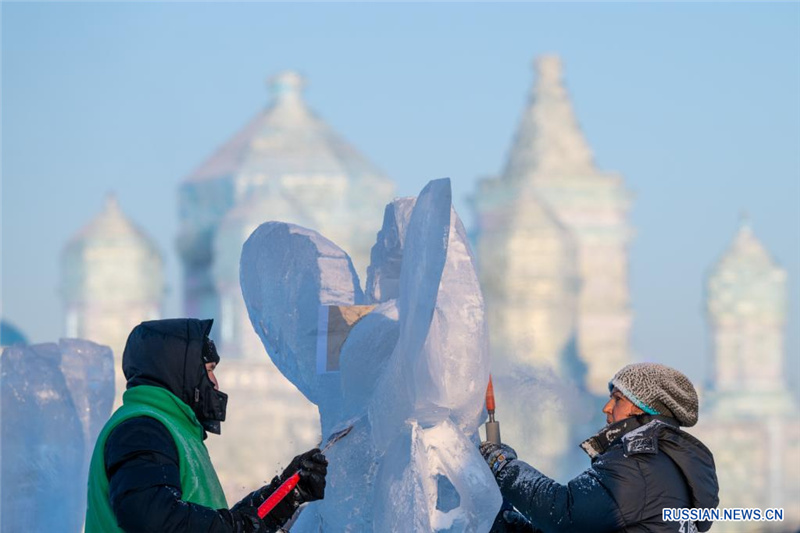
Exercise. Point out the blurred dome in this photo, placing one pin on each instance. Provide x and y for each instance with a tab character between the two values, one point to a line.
746	281
311	175
10	334
286	139
111	259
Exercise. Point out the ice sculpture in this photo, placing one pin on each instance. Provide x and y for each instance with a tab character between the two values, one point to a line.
55	398
88	370
410	375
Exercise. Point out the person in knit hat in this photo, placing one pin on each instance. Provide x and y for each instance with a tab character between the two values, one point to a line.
658	390
641	463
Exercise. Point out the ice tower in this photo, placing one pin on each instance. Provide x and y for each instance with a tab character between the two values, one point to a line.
551	163
111	279
749	418
747	312
528	276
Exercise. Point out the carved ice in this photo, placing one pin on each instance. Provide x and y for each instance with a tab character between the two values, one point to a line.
55	399
411	373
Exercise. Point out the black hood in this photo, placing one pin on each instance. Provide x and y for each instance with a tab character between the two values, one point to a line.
696	462
170	354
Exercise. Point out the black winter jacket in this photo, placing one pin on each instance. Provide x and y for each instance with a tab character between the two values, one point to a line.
145	484
640	466
141	459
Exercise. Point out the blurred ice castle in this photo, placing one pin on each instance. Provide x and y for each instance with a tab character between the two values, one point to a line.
749	417
552	241
111	279
552	245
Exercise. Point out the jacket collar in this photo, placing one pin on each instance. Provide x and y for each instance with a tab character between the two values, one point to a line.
165	401
612	433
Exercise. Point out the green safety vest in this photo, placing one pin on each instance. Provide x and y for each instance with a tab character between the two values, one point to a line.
199	482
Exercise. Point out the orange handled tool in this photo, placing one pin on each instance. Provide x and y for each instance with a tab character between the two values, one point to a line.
490	396
492	427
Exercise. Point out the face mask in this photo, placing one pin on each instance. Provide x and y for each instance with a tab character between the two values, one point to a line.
210	406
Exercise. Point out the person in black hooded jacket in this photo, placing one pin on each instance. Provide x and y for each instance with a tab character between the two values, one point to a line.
150	471
641	463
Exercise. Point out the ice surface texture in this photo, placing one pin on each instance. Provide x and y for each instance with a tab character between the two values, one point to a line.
413	371
55	398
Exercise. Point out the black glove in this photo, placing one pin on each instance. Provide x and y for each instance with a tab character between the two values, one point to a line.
244	519
279	515
516	523
509	520
313	468
497	455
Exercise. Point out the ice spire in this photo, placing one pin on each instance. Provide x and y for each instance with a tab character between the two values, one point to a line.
286	84
747	256
747	311
111	224
548	140
111	278
111	204
287	96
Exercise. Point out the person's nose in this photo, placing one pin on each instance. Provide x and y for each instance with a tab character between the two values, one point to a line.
607	409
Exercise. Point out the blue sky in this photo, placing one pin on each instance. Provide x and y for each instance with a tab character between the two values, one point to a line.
697	105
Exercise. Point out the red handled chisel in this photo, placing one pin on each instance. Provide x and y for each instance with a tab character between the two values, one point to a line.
287	486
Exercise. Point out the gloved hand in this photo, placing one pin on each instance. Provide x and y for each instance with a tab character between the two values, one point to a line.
514	522
509	520
313	467
245	520
497	455
277	517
